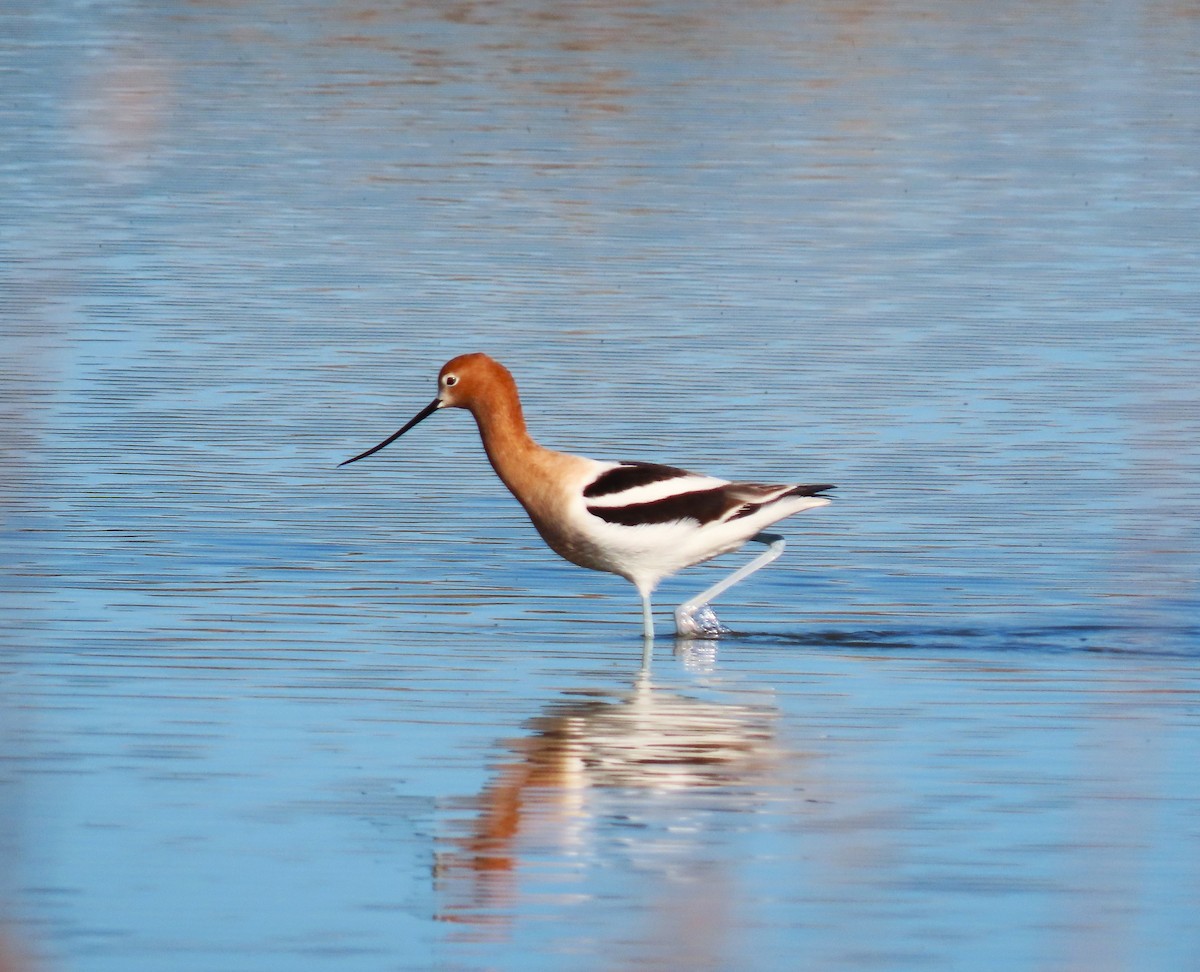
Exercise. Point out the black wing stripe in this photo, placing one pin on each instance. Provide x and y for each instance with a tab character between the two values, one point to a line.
630	475
701	505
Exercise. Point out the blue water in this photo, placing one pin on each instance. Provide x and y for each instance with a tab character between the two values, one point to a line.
258	712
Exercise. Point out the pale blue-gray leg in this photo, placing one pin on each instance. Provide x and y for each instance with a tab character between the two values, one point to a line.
647	654
647	616
695	619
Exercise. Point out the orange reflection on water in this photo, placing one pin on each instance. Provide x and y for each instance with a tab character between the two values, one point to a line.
650	743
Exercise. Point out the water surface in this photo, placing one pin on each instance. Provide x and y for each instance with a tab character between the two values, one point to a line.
258	712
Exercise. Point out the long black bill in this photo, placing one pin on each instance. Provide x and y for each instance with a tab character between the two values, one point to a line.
421	416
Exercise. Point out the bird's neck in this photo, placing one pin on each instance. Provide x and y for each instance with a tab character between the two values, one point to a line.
529	470
506	441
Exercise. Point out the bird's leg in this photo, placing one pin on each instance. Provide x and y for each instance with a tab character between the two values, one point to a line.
695	619
647	617
647	655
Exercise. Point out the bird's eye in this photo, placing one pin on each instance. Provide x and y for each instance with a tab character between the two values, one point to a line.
450	380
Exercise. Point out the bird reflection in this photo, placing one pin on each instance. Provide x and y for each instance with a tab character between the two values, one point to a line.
645	745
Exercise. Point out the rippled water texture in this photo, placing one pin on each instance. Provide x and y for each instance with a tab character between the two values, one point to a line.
261	713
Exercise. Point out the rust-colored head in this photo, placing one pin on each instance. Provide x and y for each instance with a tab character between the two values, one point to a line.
471	381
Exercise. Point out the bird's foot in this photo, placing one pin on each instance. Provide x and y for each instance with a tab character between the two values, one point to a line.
698	621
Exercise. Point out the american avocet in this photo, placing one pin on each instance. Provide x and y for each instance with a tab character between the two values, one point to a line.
637	519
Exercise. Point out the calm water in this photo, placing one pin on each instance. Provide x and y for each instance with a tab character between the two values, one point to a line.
259	713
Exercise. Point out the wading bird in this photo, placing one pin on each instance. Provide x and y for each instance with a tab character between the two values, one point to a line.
640	520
